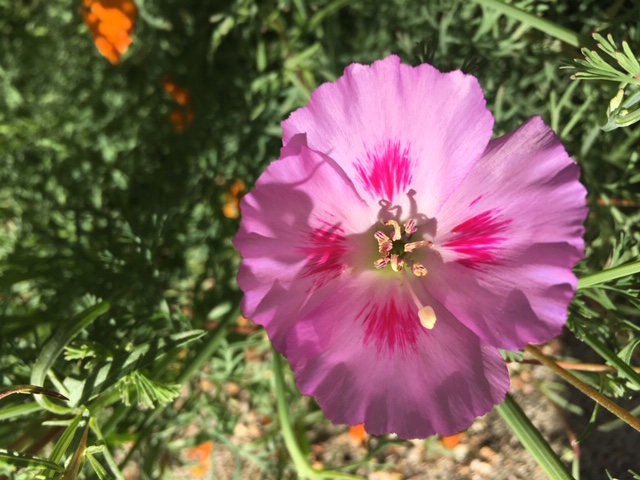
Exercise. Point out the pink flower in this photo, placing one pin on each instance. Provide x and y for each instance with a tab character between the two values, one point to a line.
394	247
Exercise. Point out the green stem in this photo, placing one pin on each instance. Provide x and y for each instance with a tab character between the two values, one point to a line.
303	468
532	439
550	28
584	388
609	274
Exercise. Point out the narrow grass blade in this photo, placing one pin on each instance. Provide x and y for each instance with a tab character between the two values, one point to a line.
26	460
623	368
101	472
54	346
19	410
64	442
561	33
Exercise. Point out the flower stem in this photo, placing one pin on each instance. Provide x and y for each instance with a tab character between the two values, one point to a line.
609	274
550	28
532	439
303	468
583	387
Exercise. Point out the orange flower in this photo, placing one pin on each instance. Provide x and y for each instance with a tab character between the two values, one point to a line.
358	433
181	116
181	119
200	455
452	441
231	209
179	94
111	23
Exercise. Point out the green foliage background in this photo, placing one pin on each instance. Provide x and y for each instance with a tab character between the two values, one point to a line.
101	200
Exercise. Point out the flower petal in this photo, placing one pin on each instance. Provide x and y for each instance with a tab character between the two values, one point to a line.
412	381
508	238
394	128
296	236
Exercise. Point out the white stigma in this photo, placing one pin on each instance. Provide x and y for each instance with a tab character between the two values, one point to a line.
427	317
426	314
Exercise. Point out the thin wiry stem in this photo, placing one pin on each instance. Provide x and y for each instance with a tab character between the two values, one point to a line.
578	366
583	387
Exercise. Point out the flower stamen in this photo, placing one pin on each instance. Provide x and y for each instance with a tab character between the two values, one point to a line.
384	243
419	270
396	263
393	250
397	232
410	247
410	226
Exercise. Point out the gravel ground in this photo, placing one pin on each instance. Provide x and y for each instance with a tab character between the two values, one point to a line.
486	450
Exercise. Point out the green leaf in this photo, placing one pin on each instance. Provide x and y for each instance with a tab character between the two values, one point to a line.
78	454
93	424
101	472
19	410
56	344
26	460
627	351
561	33
624	369
71	434
124	364
556	393
327	11
137	388
210	344
5	392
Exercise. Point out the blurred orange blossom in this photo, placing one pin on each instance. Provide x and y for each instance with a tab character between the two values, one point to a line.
111	23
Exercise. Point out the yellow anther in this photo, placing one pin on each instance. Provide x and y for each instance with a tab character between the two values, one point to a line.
396	263
381	263
384	243
397	232
410	247
419	270
410	226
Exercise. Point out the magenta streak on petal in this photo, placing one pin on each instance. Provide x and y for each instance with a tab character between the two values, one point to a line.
325	248
386	172
476	201
389	326
477	239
